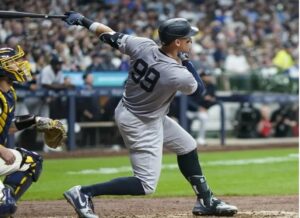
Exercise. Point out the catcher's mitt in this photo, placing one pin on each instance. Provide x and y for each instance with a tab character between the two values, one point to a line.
55	133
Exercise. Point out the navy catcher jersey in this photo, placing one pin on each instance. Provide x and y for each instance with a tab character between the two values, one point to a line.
7	109
154	78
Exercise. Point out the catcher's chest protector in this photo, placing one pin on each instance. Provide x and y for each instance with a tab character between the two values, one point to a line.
7	109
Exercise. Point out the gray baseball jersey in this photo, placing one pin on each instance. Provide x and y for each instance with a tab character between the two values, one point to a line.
154	78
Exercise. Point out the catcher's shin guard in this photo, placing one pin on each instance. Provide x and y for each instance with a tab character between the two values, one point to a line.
206	203
8	204
30	170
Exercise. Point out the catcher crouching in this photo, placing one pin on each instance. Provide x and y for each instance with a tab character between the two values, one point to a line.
19	166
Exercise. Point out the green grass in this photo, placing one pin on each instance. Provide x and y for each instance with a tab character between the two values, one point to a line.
274	178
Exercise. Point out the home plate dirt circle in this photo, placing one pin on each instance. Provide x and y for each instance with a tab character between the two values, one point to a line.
242	214
267	214
173	207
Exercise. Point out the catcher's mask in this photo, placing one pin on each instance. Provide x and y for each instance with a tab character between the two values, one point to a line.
13	65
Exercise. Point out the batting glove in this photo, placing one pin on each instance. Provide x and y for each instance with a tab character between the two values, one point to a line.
73	18
183	56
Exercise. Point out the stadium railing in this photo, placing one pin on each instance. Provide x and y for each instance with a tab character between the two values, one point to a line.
113	91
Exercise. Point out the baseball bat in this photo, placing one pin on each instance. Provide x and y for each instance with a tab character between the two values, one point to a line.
19	14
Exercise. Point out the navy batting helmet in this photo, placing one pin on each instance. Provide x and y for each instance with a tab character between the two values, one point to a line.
175	28
13	66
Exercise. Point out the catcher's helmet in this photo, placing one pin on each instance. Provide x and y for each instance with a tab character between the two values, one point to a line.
13	66
175	28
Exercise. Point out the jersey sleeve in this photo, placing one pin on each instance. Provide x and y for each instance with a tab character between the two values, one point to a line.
184	81
132	45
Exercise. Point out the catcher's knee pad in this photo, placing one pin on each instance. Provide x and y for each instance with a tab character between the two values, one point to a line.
30	171
8	204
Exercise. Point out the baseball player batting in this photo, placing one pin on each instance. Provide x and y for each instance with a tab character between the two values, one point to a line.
156	74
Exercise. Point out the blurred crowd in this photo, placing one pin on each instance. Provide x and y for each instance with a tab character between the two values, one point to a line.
250	120
235	36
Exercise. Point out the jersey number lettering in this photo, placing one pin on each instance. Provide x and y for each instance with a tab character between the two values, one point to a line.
146	77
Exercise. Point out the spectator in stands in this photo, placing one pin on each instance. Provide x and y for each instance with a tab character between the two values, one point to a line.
283	58
219	54
16	36
88	110
98	63
258	30
236	62
264	126
52	76
250	25
201	106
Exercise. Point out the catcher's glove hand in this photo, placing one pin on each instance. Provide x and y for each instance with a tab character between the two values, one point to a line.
55	133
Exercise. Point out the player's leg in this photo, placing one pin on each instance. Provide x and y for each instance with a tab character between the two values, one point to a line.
29	171
179	141
8	204
144	141
145	148
19	176
203	117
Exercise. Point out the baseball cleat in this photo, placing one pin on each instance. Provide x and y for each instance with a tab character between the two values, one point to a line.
8	204
216	208
81	202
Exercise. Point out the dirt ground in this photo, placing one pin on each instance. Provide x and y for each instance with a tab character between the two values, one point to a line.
257	206
147	207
